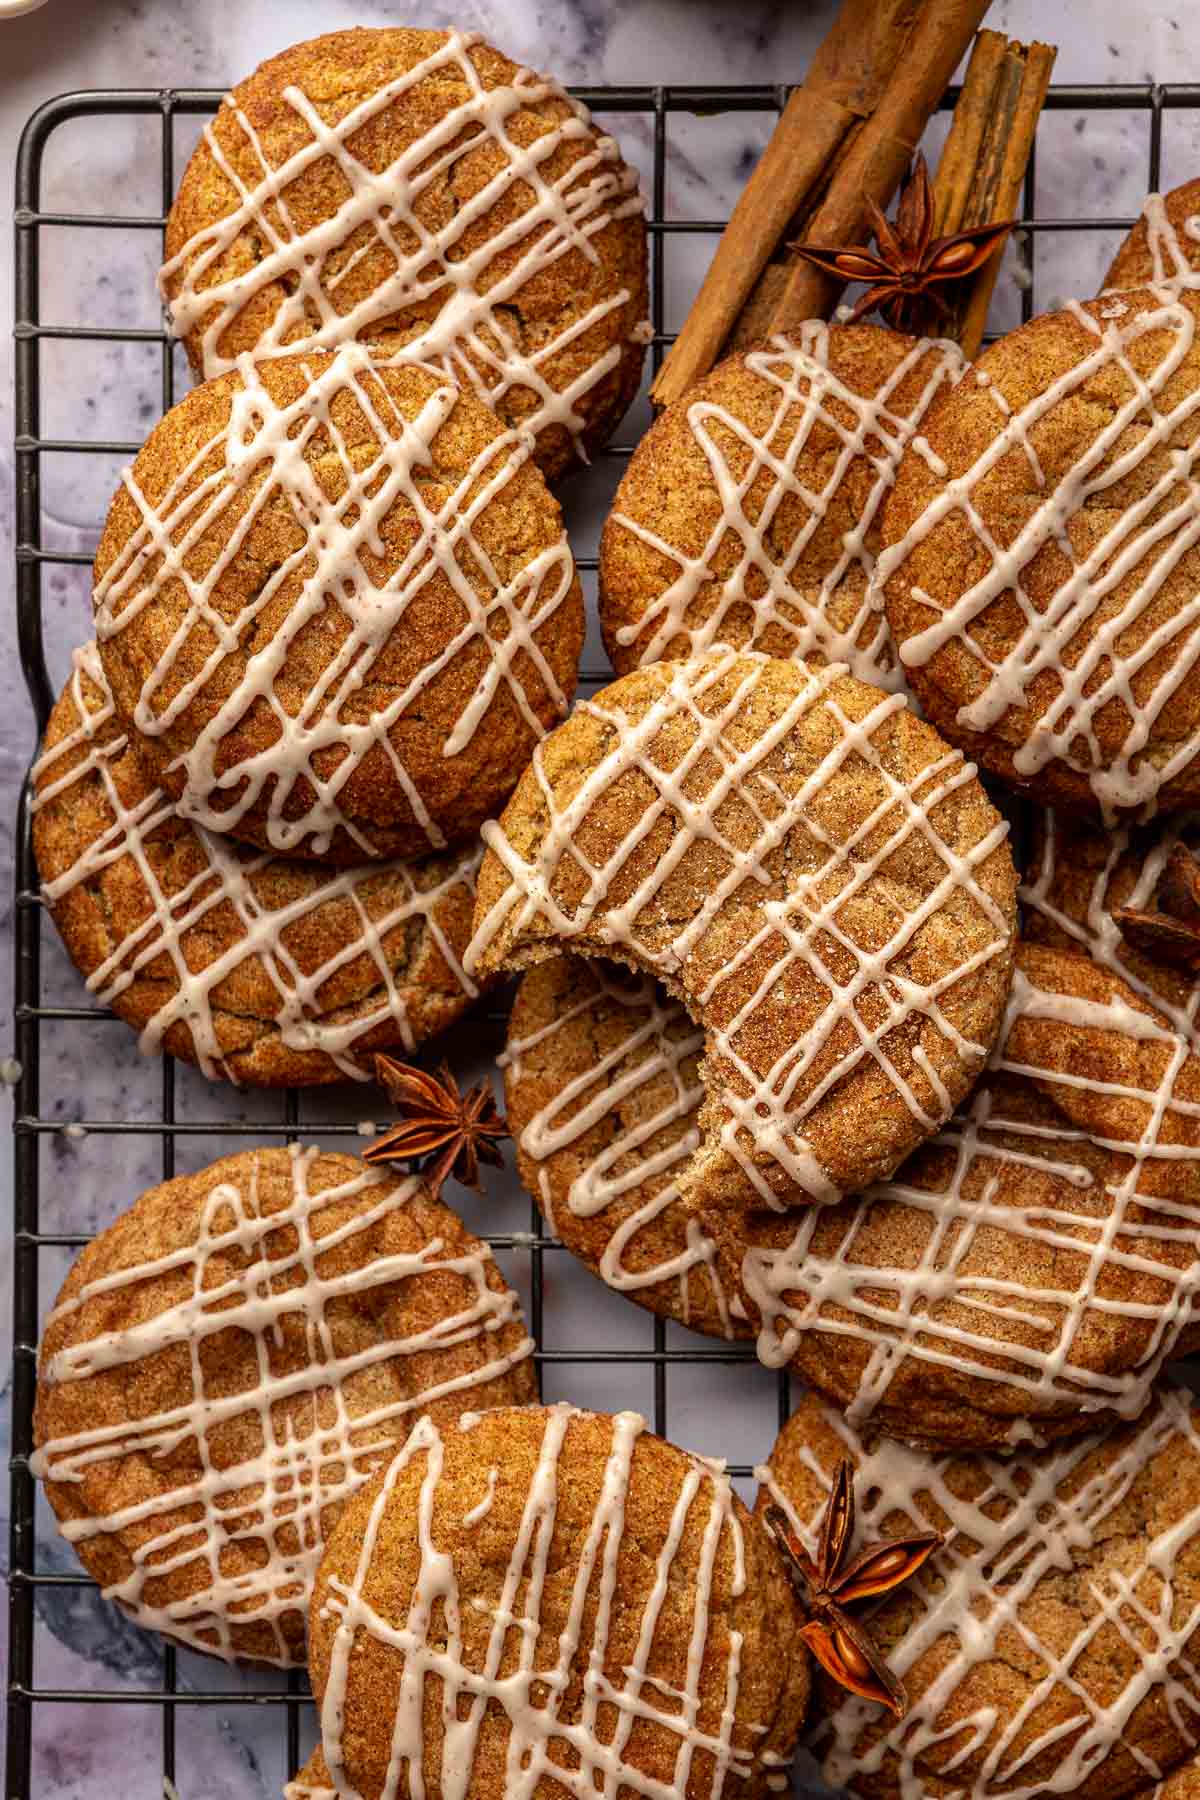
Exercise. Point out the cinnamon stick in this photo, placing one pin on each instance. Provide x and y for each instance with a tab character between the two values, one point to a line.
876	160
979	179
844	84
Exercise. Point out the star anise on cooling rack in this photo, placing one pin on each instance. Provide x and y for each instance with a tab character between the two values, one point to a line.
831	1582
455	1131
1170	932
908	263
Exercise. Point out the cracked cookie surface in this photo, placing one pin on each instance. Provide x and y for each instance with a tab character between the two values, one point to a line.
262	969
336	604
229	1362
808	868
1048	1647
419	191
655	1644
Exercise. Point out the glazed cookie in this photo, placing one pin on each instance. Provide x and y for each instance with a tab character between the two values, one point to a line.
228	1363
808	868
1040	568
337	606
657	1650
1080	878
1164	245
1026	1274
1049	1646
419	191
602	1089
750	512
258	968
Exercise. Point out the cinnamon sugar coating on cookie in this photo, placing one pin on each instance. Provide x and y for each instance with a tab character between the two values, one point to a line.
1023	1276
1043	585
750	512
336	604
418	191
1049	1646
259	968
602	1094
1164	245
657	1651
809	868
231	1360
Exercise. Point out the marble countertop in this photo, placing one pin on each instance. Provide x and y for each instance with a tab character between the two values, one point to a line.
1093	164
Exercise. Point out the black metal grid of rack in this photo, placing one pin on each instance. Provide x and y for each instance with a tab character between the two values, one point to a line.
32	1708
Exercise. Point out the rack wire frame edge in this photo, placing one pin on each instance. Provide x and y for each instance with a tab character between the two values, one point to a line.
30	330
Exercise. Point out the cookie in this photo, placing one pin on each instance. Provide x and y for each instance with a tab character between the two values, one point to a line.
259	968
418	191
750	512
337	606
1164	245
1079	878
602	1095
228	1363
314	1781
1040	565
1049	1646
1023	1276
1026	1275
808	868
595	1601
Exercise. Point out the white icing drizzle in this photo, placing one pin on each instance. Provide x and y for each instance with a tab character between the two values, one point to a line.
261	450
1138	1231
589	1755
1018	1526
810	393
953	1186
660	1042
227	885
277	1495
1066	633
1171	262
764	1102
470	338
1097	933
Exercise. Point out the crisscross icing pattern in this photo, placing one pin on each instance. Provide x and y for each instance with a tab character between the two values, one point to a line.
795	619
1068	634
661	1046
265	442
227	886
590	1754
470	338
961	1186
1096	1205
767	1097
317	1444
1013	1525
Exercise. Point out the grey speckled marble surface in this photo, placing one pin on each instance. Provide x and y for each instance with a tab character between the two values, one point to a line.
1093	164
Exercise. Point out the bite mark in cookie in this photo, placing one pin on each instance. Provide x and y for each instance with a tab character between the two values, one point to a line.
809	868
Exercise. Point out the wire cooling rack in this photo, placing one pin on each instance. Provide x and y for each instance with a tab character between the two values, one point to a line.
679	1373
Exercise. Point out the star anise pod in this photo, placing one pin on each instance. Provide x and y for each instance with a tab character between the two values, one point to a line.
908	263
456	1130
1170	933
832	1582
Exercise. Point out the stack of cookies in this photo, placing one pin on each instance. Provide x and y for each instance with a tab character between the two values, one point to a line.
787	1060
